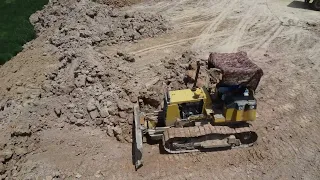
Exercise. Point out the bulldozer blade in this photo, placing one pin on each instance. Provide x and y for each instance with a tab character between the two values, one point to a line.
138	162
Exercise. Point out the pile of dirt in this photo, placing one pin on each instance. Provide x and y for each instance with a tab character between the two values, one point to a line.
21	121
93	84
86	87
86	22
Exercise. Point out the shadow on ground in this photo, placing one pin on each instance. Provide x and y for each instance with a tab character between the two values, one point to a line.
299	5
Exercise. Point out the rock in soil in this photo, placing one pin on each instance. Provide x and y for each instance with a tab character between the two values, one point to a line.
2	168
58	111
5	155
21	151
21	131
91	105
117	130
110	131
124	106
94	114
80	122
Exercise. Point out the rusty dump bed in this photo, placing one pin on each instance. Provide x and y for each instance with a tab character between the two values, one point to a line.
237	69
197	138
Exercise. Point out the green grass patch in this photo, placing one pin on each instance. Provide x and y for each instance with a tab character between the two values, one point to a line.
15	28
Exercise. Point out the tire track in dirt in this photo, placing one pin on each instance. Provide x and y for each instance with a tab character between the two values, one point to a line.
284	151
112	173
192	22
233	42
170	44
279	145
195	20
169	6
212	27
205	158
260	21
192	10
190	165
162	46
269	37
218	20
199	11
289	147
286	144
286	108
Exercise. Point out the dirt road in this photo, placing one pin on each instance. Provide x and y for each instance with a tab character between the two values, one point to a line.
282	37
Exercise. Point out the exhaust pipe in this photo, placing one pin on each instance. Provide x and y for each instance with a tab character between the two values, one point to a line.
194	87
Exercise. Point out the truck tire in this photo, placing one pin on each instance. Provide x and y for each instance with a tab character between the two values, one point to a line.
316	5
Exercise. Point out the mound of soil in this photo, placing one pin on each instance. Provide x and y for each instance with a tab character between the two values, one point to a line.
86	22
86	87
94	95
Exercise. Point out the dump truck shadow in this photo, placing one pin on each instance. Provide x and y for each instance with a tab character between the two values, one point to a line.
299	5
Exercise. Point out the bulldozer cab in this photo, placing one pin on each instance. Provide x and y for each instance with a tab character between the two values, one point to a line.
238	103
185	105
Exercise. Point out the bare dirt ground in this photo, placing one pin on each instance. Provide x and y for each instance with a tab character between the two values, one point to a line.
118	3
282	37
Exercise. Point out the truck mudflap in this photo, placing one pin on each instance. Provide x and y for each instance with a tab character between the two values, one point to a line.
137	139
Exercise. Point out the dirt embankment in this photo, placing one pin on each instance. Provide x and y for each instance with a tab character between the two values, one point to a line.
54	126
86	87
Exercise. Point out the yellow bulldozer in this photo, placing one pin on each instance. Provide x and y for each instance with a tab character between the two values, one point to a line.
201	119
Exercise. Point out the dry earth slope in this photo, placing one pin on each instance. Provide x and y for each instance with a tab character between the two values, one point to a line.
39	139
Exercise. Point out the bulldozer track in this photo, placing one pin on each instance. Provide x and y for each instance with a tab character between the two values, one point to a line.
202	131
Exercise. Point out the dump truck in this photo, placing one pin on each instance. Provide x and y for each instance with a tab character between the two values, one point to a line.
315	4
201	119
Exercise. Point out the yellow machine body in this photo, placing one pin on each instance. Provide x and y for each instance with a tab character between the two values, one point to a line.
246	111
232	114
179	97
